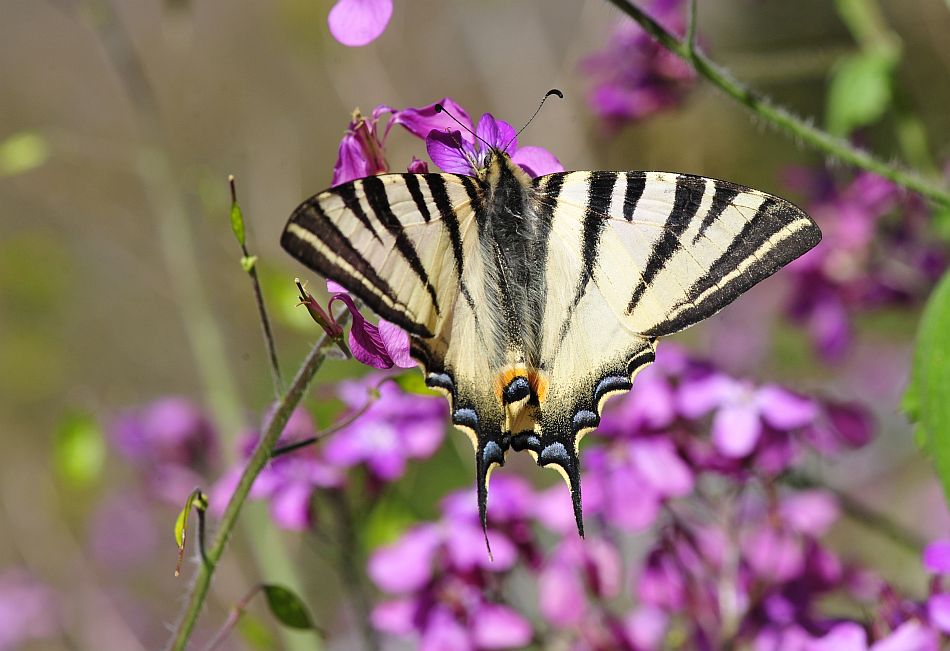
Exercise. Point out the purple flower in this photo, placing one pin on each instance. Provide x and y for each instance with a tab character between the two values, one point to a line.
171	442
575	569
743	411
396	427
382	346
441	572
359	22
634	75
877	250
288	482
27	610
937	557
461	153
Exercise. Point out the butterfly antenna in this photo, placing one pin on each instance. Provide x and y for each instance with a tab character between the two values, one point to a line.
553	91
441	109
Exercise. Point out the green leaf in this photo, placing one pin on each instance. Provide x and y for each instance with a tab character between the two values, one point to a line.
255	633
237	223
928	396
22	152
287	607
412	382
79	450
860	91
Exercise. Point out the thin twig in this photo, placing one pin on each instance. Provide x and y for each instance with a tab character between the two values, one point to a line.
781	117
272	430
336	427
261	307
233	616
691	30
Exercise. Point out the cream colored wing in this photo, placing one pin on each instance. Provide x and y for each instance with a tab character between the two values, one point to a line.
633	256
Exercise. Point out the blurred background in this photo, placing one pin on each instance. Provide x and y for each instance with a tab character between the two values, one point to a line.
120	280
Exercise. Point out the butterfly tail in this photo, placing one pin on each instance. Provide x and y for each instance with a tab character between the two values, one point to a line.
491	453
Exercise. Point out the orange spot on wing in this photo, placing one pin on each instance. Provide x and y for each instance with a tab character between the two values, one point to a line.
539	384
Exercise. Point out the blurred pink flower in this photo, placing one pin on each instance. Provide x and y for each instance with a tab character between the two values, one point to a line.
359	22
395	428
28	610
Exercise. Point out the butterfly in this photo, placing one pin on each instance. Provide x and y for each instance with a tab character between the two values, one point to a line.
530	301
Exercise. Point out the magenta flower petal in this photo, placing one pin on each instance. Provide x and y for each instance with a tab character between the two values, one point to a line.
351	162
810	512
846	636
561	595
537	161
909	636
937	557
421	121
698	397
444	633
736	430
938	610
366	344
465	544
500	627
417	166
290	507
776	555
359	22
497	133
396	342
784	410
445	148
646	627
396	617
406	565
656	460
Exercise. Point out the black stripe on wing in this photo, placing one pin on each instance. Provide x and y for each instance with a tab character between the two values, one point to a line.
367	285
722	284
375	191
688	195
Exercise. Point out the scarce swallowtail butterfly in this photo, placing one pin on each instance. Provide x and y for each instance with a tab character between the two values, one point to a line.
530	301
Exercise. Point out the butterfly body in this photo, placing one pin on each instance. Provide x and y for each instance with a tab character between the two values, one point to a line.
530	302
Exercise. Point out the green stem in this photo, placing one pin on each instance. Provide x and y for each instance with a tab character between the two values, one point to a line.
262	454
780	117
691	30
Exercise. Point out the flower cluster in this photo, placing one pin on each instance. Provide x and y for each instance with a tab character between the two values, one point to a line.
877	250
362	149
636	76
752	572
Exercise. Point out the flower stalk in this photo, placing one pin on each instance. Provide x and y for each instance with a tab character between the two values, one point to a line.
779	116
262	454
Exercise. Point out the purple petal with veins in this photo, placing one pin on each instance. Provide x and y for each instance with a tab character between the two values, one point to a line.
447	151
537	161
497	133
396	342
359	22
421	121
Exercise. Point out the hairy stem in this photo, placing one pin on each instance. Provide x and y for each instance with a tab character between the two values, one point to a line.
780	117
262	454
